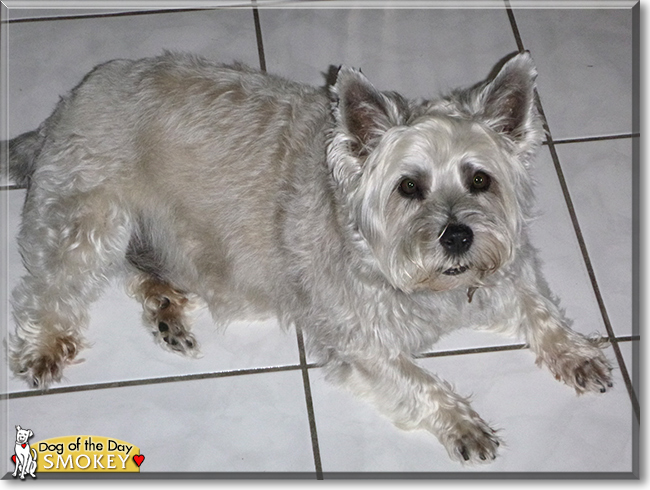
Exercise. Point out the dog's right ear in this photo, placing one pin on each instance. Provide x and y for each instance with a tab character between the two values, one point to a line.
18	427
363	113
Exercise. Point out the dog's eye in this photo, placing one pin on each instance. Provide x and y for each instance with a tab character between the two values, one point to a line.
480	182
409	188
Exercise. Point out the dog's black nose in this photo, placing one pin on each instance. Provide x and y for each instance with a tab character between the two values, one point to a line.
457	239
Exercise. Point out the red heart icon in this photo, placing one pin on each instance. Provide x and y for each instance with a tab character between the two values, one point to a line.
138	458
23	445
13	458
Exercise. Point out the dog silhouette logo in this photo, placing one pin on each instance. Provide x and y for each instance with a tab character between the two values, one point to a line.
24	456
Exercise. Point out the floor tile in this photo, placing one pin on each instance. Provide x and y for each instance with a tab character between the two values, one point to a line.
47	59
546	427
599	177
236	424
560	257
418	52
584	59
122	349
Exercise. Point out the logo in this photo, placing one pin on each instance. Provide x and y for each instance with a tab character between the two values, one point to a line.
74	454
24	456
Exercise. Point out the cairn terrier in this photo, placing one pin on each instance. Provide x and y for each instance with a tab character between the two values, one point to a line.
374	223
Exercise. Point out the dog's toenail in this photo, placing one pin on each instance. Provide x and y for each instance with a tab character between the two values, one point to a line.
463	453
163	327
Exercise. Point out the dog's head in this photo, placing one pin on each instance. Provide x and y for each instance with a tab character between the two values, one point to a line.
436	191
22	435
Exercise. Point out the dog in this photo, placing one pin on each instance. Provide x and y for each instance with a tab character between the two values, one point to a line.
372	222
24	456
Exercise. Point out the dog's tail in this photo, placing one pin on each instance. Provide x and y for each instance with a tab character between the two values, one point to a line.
34	453
18	156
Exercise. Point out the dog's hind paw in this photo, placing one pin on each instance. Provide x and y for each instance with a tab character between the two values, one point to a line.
165	313
44	366
174	336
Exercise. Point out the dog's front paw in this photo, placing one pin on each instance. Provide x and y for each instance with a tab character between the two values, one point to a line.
472	441
584	367
593	375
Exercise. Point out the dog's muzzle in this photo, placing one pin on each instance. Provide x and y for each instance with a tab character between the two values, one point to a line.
456	239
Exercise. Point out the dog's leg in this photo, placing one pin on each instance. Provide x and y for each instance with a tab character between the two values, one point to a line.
165	313
32	463
573	358
412	398
69	243
23	463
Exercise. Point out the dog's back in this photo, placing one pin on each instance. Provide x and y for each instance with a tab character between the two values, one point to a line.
204	158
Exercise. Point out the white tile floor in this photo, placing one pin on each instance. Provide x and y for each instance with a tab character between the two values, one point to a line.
246	399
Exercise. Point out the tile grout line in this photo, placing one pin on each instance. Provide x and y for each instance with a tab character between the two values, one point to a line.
592	277
579	236
258	36
513	25
589	139
104	15
562	141
260	370
148	381
304	367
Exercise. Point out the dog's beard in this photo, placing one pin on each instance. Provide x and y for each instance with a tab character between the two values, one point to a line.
418	262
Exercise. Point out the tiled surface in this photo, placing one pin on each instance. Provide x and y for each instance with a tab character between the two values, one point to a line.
35	51
419	53
545	426
603	202
240	423
585	87
259	421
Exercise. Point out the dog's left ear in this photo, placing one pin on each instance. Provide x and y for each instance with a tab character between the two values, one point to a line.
508	103
362	112
30	433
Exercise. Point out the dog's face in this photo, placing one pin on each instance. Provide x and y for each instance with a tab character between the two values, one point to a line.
22	435
437	190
